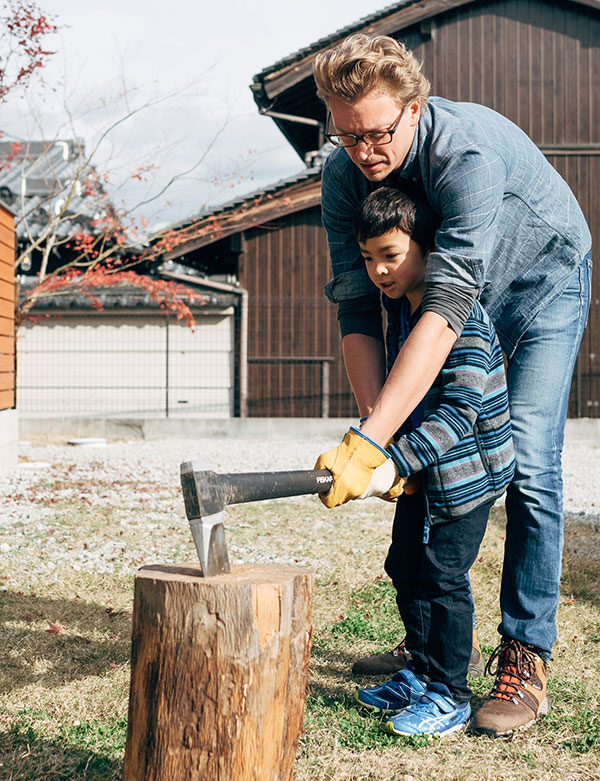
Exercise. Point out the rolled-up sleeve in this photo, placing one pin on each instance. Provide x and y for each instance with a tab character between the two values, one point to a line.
361	315
452	302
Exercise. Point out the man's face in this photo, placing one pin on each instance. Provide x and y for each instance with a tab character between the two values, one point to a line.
395	263
371	112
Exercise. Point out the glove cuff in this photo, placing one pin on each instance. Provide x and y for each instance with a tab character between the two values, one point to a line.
370	441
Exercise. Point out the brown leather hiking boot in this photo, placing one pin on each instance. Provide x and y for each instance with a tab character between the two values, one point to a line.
519	693
390	662
476	660
383	664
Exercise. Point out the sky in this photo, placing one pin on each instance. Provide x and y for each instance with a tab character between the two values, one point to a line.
112	57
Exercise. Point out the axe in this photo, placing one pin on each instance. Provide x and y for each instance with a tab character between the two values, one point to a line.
206	494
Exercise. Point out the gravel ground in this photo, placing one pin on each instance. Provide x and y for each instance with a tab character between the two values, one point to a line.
122	473
157	461
111	509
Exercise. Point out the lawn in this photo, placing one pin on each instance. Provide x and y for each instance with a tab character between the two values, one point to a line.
68	564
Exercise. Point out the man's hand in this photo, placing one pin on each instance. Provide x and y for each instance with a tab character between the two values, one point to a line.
360	469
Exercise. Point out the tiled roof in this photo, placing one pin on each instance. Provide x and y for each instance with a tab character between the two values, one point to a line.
365	21
313	172
41	171
119	297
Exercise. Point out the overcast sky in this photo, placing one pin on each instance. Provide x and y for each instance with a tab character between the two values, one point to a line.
155	48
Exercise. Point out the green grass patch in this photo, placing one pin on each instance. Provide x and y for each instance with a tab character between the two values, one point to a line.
36	746
108	739
574	716
353	727
371	616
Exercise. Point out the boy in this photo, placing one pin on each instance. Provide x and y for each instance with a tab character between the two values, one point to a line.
456	449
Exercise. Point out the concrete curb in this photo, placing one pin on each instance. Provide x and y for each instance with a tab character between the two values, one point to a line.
184	428
580	430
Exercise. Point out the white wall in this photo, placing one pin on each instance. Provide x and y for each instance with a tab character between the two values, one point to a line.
116	364
8	439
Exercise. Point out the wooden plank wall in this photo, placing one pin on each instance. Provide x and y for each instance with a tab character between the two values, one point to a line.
583	174
284	267
7	309
539	65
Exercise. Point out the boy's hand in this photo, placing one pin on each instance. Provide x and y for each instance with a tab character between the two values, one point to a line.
354	465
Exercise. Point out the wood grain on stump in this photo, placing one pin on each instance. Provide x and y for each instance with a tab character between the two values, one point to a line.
218	673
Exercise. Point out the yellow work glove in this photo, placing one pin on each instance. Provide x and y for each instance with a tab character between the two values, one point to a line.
360	468
384	477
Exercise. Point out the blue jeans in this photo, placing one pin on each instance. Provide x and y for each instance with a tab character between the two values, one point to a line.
539	378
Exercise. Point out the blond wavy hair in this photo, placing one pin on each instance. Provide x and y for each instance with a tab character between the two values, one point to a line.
364	63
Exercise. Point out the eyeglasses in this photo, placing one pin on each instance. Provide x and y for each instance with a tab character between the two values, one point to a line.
372	138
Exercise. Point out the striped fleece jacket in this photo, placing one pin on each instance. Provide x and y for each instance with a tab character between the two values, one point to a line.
461	435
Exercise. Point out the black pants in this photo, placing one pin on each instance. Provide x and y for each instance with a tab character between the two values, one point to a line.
432	590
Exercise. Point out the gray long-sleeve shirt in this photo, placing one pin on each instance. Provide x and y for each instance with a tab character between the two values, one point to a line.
510	226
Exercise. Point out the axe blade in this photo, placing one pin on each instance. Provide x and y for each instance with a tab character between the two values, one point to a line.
204	507
208	534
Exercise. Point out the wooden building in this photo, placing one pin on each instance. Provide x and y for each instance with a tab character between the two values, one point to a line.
8	413
537	62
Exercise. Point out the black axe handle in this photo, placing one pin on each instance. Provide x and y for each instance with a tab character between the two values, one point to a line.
206	492
255	486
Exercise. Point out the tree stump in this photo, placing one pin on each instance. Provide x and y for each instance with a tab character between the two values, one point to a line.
218	673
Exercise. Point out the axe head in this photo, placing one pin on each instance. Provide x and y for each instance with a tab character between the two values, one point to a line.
207	493
205	501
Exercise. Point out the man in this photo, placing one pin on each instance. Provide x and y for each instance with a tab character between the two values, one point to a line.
512	235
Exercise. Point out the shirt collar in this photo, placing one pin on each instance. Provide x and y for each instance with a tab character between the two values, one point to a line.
410	167
400	307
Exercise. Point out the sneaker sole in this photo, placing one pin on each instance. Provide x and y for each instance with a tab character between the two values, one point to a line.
376	708
492	733
389	728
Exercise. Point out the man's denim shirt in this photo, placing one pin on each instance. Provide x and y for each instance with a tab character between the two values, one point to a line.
511	226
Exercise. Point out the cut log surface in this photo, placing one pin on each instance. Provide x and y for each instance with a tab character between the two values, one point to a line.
218	673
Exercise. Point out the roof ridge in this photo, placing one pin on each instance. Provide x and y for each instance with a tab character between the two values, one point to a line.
341	33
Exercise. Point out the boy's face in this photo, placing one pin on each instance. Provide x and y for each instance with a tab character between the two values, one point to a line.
395	263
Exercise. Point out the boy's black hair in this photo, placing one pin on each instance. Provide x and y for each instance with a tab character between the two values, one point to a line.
389	208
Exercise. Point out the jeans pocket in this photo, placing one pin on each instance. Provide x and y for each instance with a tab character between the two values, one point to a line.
586	285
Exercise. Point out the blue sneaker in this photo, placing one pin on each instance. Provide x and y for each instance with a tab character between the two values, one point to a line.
436	713
401	690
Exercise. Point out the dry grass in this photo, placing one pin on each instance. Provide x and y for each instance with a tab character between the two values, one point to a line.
63	697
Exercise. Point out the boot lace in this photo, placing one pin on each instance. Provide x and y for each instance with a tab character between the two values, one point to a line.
400	649
515	663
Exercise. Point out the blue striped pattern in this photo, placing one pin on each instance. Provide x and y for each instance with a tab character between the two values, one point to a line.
464	441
